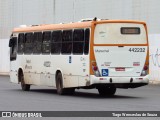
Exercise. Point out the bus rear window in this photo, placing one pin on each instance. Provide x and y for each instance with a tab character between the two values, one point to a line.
120	33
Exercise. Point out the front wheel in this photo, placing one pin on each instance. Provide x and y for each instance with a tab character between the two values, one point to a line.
106	91
24	86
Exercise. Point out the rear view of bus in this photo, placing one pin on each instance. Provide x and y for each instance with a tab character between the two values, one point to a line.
119	55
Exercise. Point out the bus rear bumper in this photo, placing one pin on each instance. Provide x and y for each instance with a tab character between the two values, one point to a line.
142	80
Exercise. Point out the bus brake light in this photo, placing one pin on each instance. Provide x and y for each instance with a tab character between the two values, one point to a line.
145	68
95	68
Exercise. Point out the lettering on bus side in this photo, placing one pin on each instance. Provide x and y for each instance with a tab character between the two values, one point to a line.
47	64
101	51
70	59
137	49
28	66
28	61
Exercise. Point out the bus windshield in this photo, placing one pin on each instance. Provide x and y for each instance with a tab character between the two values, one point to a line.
120	33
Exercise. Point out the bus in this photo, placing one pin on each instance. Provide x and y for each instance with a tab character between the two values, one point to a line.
101	54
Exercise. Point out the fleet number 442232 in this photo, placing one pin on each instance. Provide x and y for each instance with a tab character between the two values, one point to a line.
137	49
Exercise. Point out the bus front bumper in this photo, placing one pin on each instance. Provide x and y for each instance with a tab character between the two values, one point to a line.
119	80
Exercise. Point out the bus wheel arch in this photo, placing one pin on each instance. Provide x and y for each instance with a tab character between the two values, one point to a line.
57	72
24	86
20	73
60	85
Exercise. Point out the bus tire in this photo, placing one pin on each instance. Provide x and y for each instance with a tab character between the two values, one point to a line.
59	86
106	91
25	87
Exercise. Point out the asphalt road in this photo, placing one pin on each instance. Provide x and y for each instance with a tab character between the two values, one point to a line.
39	98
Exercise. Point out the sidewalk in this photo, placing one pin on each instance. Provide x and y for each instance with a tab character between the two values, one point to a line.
4	73
154	82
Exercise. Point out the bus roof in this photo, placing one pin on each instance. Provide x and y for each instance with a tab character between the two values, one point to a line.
87	24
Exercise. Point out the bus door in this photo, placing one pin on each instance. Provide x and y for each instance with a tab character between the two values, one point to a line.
13	57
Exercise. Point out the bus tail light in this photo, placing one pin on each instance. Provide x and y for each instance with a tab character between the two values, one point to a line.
94	66
145	67
95	69
145	70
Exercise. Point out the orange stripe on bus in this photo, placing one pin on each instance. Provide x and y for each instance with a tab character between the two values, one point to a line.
53	27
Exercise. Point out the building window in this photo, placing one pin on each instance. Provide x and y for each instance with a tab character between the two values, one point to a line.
56	42
78	41
67	42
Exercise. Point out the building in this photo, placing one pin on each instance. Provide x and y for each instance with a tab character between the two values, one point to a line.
31	12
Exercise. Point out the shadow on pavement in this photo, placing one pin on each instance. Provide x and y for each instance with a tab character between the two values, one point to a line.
79	94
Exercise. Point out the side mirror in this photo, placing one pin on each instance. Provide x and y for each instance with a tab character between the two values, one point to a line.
11	42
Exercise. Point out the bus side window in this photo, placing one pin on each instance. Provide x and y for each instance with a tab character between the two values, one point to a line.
20	43
46	42
78	41
56	42
28	43
13	50
87	37
37	42
67	42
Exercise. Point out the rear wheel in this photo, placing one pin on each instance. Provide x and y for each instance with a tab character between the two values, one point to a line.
59	86
106	91
24	86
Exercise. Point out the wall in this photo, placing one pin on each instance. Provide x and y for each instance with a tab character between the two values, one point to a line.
154	41
4	56
20	12
30	12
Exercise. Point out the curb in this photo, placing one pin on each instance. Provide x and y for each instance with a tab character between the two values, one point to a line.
4	73
154	82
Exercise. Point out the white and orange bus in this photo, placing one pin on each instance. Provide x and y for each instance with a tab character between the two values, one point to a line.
101	54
